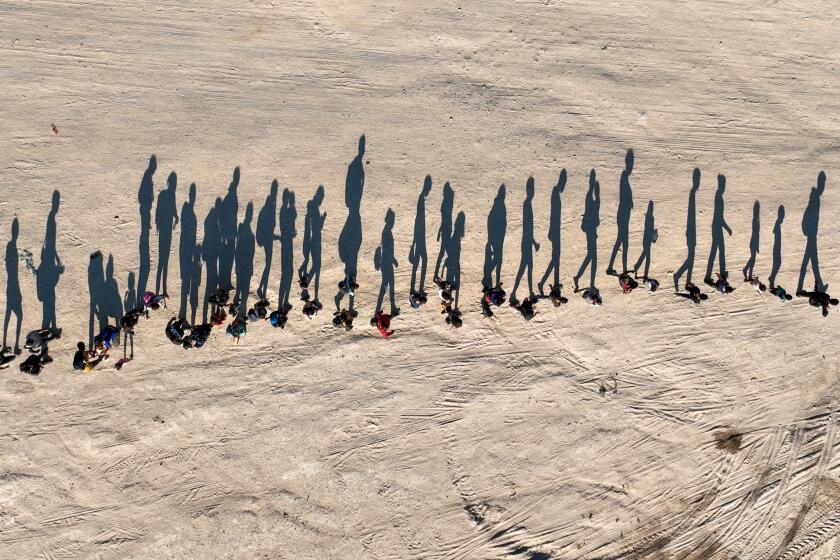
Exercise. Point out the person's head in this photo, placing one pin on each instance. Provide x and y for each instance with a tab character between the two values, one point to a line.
172	181
812	300
319	194
821	182
721	182
192	193
389	218
336	320
629	159
187	343
695	179
56	200
460	225
561	182
529	188
15	228
427	186
362	145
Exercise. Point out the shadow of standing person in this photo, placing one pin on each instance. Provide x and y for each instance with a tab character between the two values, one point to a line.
130	298
211	247
648	238
145	197
312	227
189	256
526	259
288	232
554	229
266	224
50	268
589	223
453	257
754	241
14	298
166	218
96	291
777	246
690	232
718	225
445	229
245	249
622	219
111	301
350	239
494	250
228	217
417	255
385	262
810	227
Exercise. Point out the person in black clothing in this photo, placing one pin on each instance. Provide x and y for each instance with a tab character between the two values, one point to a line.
175	330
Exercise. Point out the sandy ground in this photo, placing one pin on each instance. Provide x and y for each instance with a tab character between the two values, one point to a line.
488	442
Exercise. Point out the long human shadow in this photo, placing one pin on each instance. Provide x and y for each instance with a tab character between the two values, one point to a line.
647	241
313	226
777	246
211	247
494	249
14	298
245	249
266	224
690	232
589	224
166	218
288	232
350	239
810	227
111	301
385	261
96	290
554	229
50	269
528	245
228	217
719	224
130	297
622	219
445	230
145	197
754	241
417	255
189	256
453	256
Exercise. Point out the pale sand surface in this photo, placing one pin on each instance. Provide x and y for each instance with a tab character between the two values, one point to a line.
487	442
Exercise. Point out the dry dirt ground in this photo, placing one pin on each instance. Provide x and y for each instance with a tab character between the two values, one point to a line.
491	441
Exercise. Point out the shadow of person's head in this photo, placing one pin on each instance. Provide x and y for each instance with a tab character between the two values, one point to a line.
389	218
427	185
192	193
695	178
15	229
529	188
561	182
780	214
172	181
629	160
152	164
234	182
249	212
821	182
273	192
361	145
56	201
592	179
319	194
721	182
